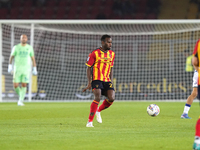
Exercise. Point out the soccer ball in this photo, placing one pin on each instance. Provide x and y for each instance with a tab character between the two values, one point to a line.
153	110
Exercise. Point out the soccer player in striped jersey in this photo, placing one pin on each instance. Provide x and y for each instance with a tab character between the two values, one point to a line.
21	53
100	66
195	62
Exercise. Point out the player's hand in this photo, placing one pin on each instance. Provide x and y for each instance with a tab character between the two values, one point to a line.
10	68
34	71
88	87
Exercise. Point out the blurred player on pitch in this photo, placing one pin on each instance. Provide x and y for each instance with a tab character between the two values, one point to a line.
193	95
190	98
100	62
21	53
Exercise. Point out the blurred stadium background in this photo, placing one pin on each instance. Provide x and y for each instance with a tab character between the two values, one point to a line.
150	58
99	9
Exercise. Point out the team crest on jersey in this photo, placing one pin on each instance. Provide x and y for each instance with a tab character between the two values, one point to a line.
97	86
109	55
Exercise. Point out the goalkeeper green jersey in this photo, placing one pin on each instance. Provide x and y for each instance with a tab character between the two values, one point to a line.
22	56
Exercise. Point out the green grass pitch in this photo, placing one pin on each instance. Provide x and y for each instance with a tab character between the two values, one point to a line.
126	126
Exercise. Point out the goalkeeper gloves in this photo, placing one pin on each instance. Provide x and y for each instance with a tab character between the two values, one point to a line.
10	68
34	71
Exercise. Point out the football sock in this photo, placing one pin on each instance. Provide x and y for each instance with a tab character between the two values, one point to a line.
22	93
93	109
186	108
197	139
104	105
197	133
17	90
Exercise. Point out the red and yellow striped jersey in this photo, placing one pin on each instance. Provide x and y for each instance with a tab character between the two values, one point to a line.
101	62
196	53
197	49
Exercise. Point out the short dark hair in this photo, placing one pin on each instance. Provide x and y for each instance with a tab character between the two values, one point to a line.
103	38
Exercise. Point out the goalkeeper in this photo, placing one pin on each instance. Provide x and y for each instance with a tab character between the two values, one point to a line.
22	54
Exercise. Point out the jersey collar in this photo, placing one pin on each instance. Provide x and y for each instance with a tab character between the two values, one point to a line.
103	50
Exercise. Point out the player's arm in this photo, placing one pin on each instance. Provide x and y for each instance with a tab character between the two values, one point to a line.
111	74
111	71
10	64
33	60
34	65
195	59
11	59
90	61
195	63
12	55
88	72
89	75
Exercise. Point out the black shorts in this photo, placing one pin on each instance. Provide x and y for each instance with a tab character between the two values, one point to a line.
104	86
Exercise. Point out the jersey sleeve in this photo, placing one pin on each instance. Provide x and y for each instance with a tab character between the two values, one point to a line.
196	48
13	53
112	64
91	59
32	51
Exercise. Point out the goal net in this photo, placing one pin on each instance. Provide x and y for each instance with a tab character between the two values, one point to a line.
150	62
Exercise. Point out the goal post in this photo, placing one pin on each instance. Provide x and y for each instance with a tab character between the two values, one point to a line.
149	64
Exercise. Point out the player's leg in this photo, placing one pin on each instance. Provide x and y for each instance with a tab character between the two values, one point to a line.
96	88
189	103
24	80
16	80
18	91
23	91
17	88
109	92
190	98
196	144
20	102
